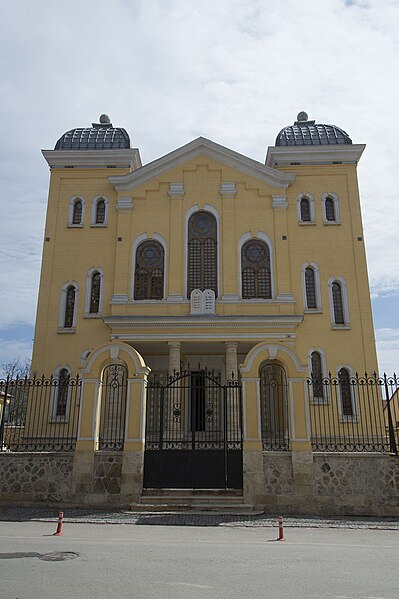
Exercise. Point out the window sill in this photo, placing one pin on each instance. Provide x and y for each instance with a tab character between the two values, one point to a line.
58	420
98	225
67	331
306	222
319	401
75	226
341	327
331	222
94	315
312	311
348	419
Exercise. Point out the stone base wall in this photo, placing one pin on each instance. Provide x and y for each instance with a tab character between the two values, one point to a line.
27	478
277	482
330	484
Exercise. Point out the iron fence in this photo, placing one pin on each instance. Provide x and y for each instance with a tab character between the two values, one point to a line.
39	414
354	413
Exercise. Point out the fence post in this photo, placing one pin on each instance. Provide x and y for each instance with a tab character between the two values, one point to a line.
3	414
392	440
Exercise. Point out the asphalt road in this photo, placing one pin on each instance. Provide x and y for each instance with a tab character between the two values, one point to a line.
130	561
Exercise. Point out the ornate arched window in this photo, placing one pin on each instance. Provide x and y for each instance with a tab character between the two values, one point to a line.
255	265
149	271
310	286
95	291
329	207
100	212
202	252
337	303
274	406
69	307
62	392
346	392
77	212
305	210
317	375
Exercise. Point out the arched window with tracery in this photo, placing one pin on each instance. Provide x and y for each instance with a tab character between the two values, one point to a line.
310	286
95	291
317	375
274	406
149	271
305	210
100	212
69	307
346	392
77	212
338	307
255	270
202	252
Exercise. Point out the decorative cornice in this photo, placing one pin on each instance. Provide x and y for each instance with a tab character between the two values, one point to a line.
190	322
93	158
124	204
176	191
198	147
279	202
288	155
228	189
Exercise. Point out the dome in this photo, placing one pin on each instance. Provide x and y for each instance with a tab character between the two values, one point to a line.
100	136
307	133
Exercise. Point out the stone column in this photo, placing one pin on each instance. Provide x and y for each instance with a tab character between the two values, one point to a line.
231	360
174	356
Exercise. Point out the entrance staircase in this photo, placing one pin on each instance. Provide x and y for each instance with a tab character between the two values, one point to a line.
194	501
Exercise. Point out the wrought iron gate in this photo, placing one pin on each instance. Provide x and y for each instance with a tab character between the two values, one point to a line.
193	433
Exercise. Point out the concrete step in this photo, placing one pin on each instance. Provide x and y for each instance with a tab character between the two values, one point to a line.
195	501
195	507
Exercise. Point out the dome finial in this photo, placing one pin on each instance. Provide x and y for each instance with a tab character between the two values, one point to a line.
302	116
104	119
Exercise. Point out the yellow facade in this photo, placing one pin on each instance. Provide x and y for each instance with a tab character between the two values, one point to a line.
249	200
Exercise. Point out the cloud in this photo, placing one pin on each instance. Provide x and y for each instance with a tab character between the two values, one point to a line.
233	71
388	350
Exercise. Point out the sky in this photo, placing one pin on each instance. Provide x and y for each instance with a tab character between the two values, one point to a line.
234	71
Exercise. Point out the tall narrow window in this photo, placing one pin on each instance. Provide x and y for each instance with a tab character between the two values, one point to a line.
149	271
62	391
202	252
305	210
317	375
255	265
346	392
310	286
100	212
337	303
69	307
77	212
330	209
95	291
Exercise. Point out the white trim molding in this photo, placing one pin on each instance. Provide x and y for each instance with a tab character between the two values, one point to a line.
71	207
124	203
228	189
280	202
93	158
93	217
89	275
306	196
345	303
176	191
337	214
61	321
202	147
241	242
316	272
329	154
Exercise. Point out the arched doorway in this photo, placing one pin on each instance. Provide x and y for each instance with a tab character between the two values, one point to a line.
113	407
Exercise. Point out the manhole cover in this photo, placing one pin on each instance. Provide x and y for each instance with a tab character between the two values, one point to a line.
59	556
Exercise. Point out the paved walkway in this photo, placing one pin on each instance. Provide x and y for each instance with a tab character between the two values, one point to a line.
19	514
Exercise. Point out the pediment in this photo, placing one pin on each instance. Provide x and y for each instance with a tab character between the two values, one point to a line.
200	147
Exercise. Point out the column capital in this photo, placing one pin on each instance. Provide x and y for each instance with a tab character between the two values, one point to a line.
231	344
174	343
